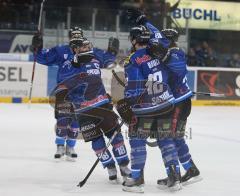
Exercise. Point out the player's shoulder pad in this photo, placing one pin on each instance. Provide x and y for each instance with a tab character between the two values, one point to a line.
63	48
97	50
141	56
177	53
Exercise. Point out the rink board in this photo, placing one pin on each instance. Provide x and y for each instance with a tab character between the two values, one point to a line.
15	79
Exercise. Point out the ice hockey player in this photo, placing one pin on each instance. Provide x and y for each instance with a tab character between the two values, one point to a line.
93	110
151	107
66	127
176	63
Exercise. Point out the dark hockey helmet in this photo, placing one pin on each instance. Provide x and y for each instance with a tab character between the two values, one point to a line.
171	34
75	31
84	53
76	42
139	33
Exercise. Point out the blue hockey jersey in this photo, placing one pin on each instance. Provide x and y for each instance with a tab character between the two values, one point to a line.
85	88
147	84
62	57
177	67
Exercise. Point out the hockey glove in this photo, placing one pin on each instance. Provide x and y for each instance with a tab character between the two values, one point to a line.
136	16
37	42
170	34
82	58
125	111
113	45
156	50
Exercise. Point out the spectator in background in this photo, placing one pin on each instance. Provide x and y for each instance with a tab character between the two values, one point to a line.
199	53
205	55
234	61
192	59
209	55
7	13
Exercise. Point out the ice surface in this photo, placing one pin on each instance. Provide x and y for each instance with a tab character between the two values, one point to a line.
27	147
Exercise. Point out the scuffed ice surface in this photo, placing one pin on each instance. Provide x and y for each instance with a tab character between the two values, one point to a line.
27	167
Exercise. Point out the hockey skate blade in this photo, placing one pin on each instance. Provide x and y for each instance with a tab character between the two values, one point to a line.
192	180
70	159
176	187
116	181
134	189
162	186
58	160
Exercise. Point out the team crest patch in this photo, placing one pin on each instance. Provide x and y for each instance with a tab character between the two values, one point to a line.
65	56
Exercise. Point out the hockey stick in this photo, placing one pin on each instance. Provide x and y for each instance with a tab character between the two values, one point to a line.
195	93
80	184
210	94
35	54
117	78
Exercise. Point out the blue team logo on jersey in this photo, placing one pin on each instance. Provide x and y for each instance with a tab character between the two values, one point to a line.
65	56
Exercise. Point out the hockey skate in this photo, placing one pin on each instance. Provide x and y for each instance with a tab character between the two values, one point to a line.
191	176
60	152
174	179
162	183
71	155
134	185
112	173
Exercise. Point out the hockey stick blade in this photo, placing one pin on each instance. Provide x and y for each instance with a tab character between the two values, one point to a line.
81	184
217	95
209	94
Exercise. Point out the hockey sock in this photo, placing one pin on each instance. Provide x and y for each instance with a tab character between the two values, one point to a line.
138	155
183	153
99	145
60	141
169	152
71	142
119	149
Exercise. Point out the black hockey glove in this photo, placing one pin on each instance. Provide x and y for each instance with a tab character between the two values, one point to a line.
170	34
156	50
82	58
136	16
113	45
37	42
125	111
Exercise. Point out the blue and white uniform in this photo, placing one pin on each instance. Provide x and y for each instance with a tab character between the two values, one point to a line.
67	128
178	73
177	66
141	69
177	70
86	91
